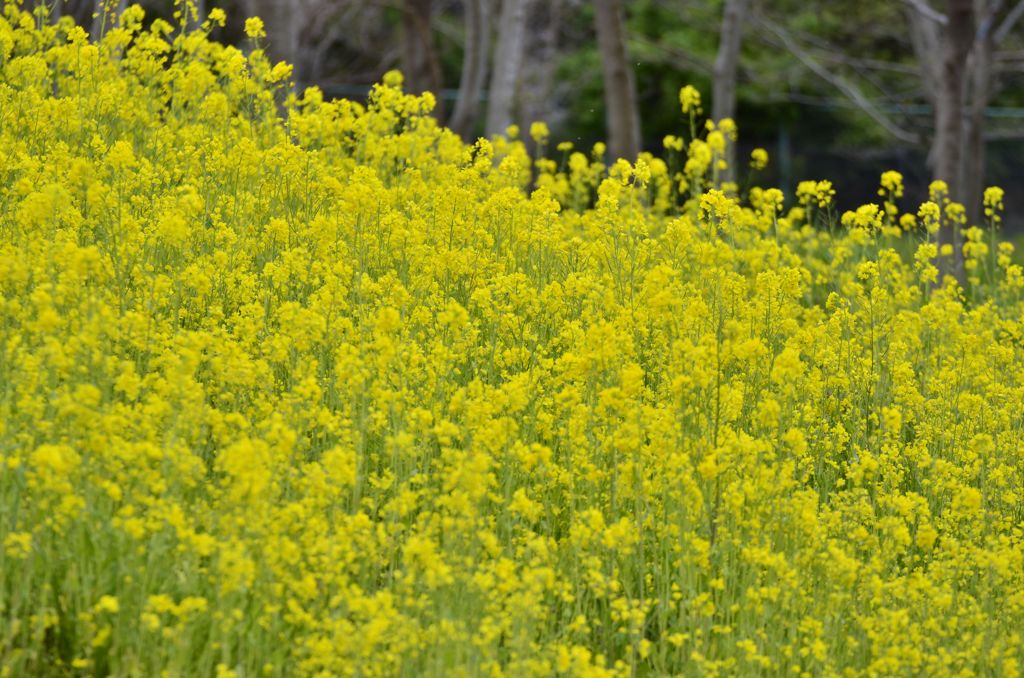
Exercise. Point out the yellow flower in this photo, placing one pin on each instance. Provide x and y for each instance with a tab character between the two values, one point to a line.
892	184
938	191
758	159
539	132
18	545
54	460
824	193
993	202
108	604
689	99
218	17
254	28
728	127
279	366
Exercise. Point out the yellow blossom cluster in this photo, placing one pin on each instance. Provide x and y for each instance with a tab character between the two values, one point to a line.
291	386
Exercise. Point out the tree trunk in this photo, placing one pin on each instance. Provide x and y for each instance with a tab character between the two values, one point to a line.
926	38
53	8
538	79
474	67
508	57
980	91
80	10
949	116
623	117
723	94
971	172
319	51
107	15
281	21
420	63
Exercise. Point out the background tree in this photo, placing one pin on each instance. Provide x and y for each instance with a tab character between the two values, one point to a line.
475	62
508	57
106	14
420	63
282	21
542	88
960	86
957	35
723	95
619	84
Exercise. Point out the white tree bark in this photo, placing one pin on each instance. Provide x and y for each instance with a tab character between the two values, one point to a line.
507	61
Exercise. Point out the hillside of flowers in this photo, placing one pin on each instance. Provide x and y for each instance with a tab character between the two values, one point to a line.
296	387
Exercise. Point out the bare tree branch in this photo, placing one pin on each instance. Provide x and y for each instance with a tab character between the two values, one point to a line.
1005	135
851	91
867	64
670	54
1012	17
927	11
987	21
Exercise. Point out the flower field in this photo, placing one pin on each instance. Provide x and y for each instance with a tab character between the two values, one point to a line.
296	387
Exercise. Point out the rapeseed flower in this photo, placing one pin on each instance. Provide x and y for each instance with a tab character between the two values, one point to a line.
293	386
